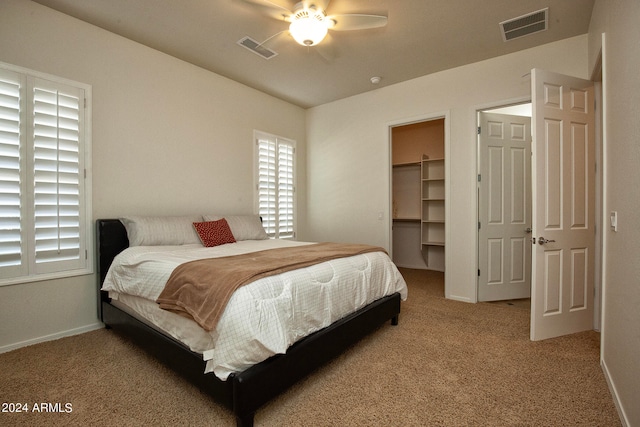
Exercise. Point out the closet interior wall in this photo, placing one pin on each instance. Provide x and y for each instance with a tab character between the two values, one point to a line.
417	150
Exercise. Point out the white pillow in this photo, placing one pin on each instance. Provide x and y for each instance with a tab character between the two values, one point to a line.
243	227
161	230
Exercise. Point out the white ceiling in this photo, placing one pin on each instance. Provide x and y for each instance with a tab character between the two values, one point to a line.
421	37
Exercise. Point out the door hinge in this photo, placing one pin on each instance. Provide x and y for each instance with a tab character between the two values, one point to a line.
479	177
86	254
479	130
478	272
479	226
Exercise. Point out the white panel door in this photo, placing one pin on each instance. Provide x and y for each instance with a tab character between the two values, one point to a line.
563	189
504	252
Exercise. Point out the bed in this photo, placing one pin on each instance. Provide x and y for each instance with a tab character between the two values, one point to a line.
242	388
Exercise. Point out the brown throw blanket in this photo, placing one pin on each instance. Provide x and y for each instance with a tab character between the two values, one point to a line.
201	289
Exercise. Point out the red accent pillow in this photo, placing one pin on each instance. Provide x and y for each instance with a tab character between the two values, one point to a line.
214	233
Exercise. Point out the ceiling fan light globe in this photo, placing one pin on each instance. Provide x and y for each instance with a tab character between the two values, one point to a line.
308	31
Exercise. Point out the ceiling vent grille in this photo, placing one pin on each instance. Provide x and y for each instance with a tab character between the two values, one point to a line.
524	25
257	48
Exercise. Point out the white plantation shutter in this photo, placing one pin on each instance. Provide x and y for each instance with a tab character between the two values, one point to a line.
285	190
12	87
43	217
276	185
57	122
267	191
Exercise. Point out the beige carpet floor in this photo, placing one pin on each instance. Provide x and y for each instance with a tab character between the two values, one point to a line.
447	363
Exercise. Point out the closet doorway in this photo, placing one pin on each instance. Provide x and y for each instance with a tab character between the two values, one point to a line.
418	194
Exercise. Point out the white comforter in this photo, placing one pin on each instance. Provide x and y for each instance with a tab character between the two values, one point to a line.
262	318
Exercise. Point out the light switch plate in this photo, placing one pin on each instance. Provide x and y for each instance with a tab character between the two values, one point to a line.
614	220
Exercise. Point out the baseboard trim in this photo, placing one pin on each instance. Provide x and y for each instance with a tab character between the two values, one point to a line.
58	335
459	298
412	266
614	394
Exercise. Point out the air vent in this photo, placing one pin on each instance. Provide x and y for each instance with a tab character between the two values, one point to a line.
256	48
524	25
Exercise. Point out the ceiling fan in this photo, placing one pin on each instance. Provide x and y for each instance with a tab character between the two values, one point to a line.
309	22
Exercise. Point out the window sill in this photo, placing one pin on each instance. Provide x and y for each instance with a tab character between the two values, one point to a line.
44	277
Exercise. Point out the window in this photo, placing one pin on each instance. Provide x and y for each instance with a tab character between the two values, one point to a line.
44	179
275	196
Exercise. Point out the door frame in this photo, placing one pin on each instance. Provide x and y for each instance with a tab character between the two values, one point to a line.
599	196
485	227
600	214
446	115
478	108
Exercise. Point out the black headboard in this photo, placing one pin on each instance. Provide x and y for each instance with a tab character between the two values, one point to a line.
112	239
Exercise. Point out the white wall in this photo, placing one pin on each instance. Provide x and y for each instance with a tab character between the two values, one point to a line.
348	150
168	138
620	350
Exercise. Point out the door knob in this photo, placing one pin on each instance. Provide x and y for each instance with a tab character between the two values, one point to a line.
528	230
542	241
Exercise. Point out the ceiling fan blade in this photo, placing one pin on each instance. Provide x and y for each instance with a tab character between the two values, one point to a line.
271	8
354	21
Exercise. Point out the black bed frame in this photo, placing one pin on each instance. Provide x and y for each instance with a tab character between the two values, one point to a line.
243	393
